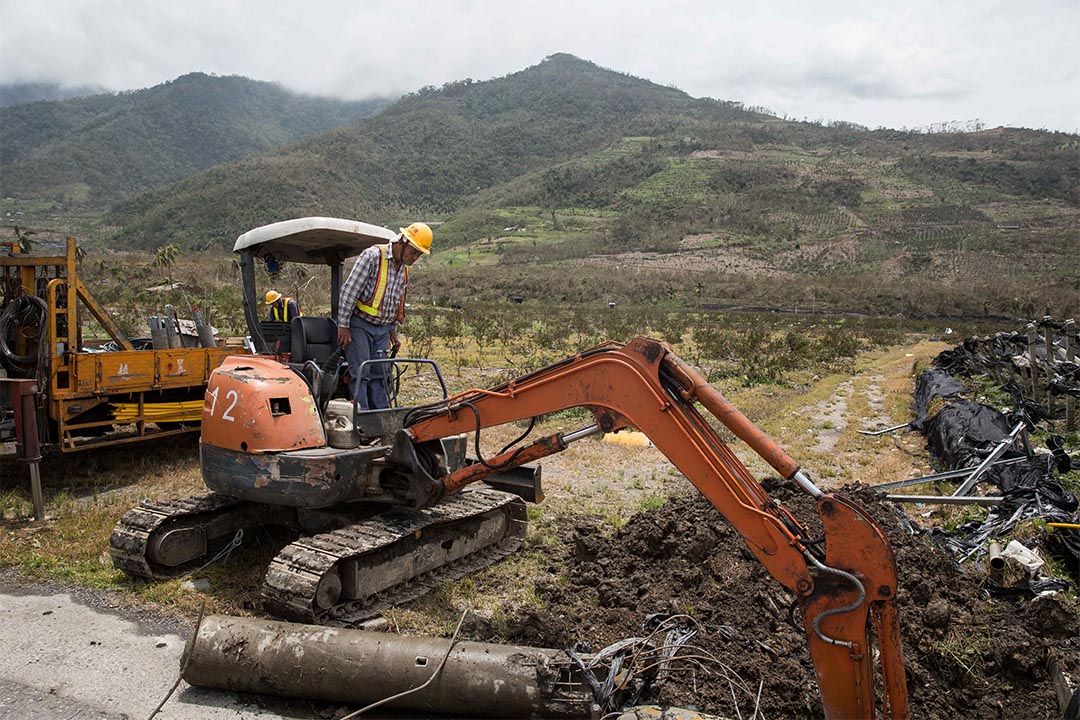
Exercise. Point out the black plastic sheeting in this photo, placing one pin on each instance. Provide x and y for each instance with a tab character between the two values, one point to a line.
961	433
964	433
1010	351
932	385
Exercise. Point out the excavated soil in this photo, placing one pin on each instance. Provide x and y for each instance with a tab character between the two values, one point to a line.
966	657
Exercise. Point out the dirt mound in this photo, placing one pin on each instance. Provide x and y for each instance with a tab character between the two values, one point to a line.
966	657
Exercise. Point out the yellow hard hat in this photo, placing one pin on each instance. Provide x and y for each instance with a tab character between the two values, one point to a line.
272	296
419	236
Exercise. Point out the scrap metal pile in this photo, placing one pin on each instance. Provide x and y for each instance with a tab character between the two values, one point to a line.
983	444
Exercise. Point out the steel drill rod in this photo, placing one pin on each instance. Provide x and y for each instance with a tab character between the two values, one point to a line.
32	450
35	492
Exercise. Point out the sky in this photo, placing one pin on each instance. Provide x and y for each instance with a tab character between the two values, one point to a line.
878	64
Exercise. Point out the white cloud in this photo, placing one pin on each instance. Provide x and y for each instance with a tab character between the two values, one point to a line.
910	64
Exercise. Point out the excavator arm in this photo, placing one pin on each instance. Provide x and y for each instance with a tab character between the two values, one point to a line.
644	385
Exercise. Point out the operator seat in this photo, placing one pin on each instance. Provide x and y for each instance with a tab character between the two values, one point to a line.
313	338
317	358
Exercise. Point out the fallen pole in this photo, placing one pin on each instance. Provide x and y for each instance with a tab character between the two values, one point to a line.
947	475
947	499
1002	446
360	667
887	430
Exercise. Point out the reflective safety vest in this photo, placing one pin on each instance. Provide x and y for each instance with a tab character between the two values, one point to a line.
374	303
282	314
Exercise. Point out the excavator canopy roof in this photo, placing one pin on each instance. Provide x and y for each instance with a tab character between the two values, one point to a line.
318	240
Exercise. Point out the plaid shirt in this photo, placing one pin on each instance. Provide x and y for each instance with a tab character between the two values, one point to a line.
361	284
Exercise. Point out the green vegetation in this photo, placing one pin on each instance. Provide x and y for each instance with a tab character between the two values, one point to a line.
94	150
570	184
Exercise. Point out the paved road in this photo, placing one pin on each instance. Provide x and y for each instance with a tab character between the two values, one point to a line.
61	658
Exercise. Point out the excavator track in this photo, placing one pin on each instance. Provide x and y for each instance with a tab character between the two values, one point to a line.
352	574
129	544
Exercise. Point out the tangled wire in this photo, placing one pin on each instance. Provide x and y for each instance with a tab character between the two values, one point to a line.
625	671
24	318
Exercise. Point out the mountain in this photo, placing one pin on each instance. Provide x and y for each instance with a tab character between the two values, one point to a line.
20	93
425	154
95	150
581	185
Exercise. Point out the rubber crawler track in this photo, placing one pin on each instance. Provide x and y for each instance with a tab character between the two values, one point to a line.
294	575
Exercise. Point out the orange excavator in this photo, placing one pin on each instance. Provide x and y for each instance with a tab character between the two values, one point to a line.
644	385
384	505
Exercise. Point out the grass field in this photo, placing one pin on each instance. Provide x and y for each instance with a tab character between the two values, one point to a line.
812	409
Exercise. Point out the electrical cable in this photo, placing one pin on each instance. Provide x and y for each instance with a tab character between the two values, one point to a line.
418	688
20	311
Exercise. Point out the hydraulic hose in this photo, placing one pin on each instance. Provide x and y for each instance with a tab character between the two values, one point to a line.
836	611
20	314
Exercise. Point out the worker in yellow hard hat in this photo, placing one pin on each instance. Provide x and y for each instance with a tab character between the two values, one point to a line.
282	309
372	304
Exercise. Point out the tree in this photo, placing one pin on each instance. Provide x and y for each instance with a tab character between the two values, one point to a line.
23	237
165	257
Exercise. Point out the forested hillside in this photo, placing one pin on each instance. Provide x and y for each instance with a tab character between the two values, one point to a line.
426	154
89	152
581	184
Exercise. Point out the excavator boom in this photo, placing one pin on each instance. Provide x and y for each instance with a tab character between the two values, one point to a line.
644	385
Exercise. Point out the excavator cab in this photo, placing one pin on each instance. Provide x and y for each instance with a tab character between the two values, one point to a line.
319	241
264	415
308	344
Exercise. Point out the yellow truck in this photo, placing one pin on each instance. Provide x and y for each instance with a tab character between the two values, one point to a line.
73	398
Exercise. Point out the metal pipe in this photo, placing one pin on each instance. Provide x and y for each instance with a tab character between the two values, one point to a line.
361	667
1033	360
1070	356
170	327
32	449
887	430
996	561
965	488
947	475
1048	341
947	499
158	338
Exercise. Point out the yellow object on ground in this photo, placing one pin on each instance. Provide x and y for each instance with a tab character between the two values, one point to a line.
634	438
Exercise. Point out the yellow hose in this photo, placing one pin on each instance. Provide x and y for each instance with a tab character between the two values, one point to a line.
186	411
1075	526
